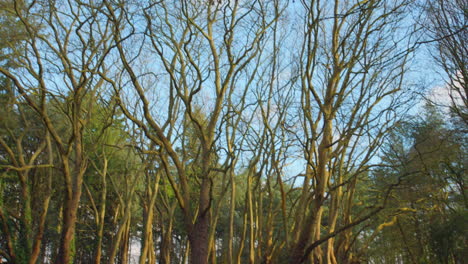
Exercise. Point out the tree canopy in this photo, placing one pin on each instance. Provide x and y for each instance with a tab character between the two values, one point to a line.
231	132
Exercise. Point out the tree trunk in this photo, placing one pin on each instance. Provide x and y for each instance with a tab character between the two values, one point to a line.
199	240
230	255
147	234
251	221
125	243
74	181
199	235
102	214
119	236
166	237
68	230
148	216
311	227
36	250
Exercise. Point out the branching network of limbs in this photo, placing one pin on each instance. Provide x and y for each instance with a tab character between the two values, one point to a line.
226	132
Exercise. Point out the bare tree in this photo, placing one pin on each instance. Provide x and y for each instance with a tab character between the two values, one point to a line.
27	151
200	54
351	76
59	64
447	27
221	100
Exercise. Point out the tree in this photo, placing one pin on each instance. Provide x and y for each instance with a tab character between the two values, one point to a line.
448	29
351	73
204	50
60	60
222	132
26	152
426	154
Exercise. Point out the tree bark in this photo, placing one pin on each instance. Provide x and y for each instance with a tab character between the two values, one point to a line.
199	235
71	203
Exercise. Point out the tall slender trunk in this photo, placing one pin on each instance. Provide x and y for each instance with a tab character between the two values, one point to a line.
302	210
345	239
124	256
213	253
74	180
36	248
25	232
316	256
119	236
166	237
333	215
152	193
68	230
244	234
186	257
232	210
101	214
151	254
251	221
146	234
268	240
6	232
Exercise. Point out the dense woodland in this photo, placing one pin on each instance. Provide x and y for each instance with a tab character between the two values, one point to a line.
233	131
